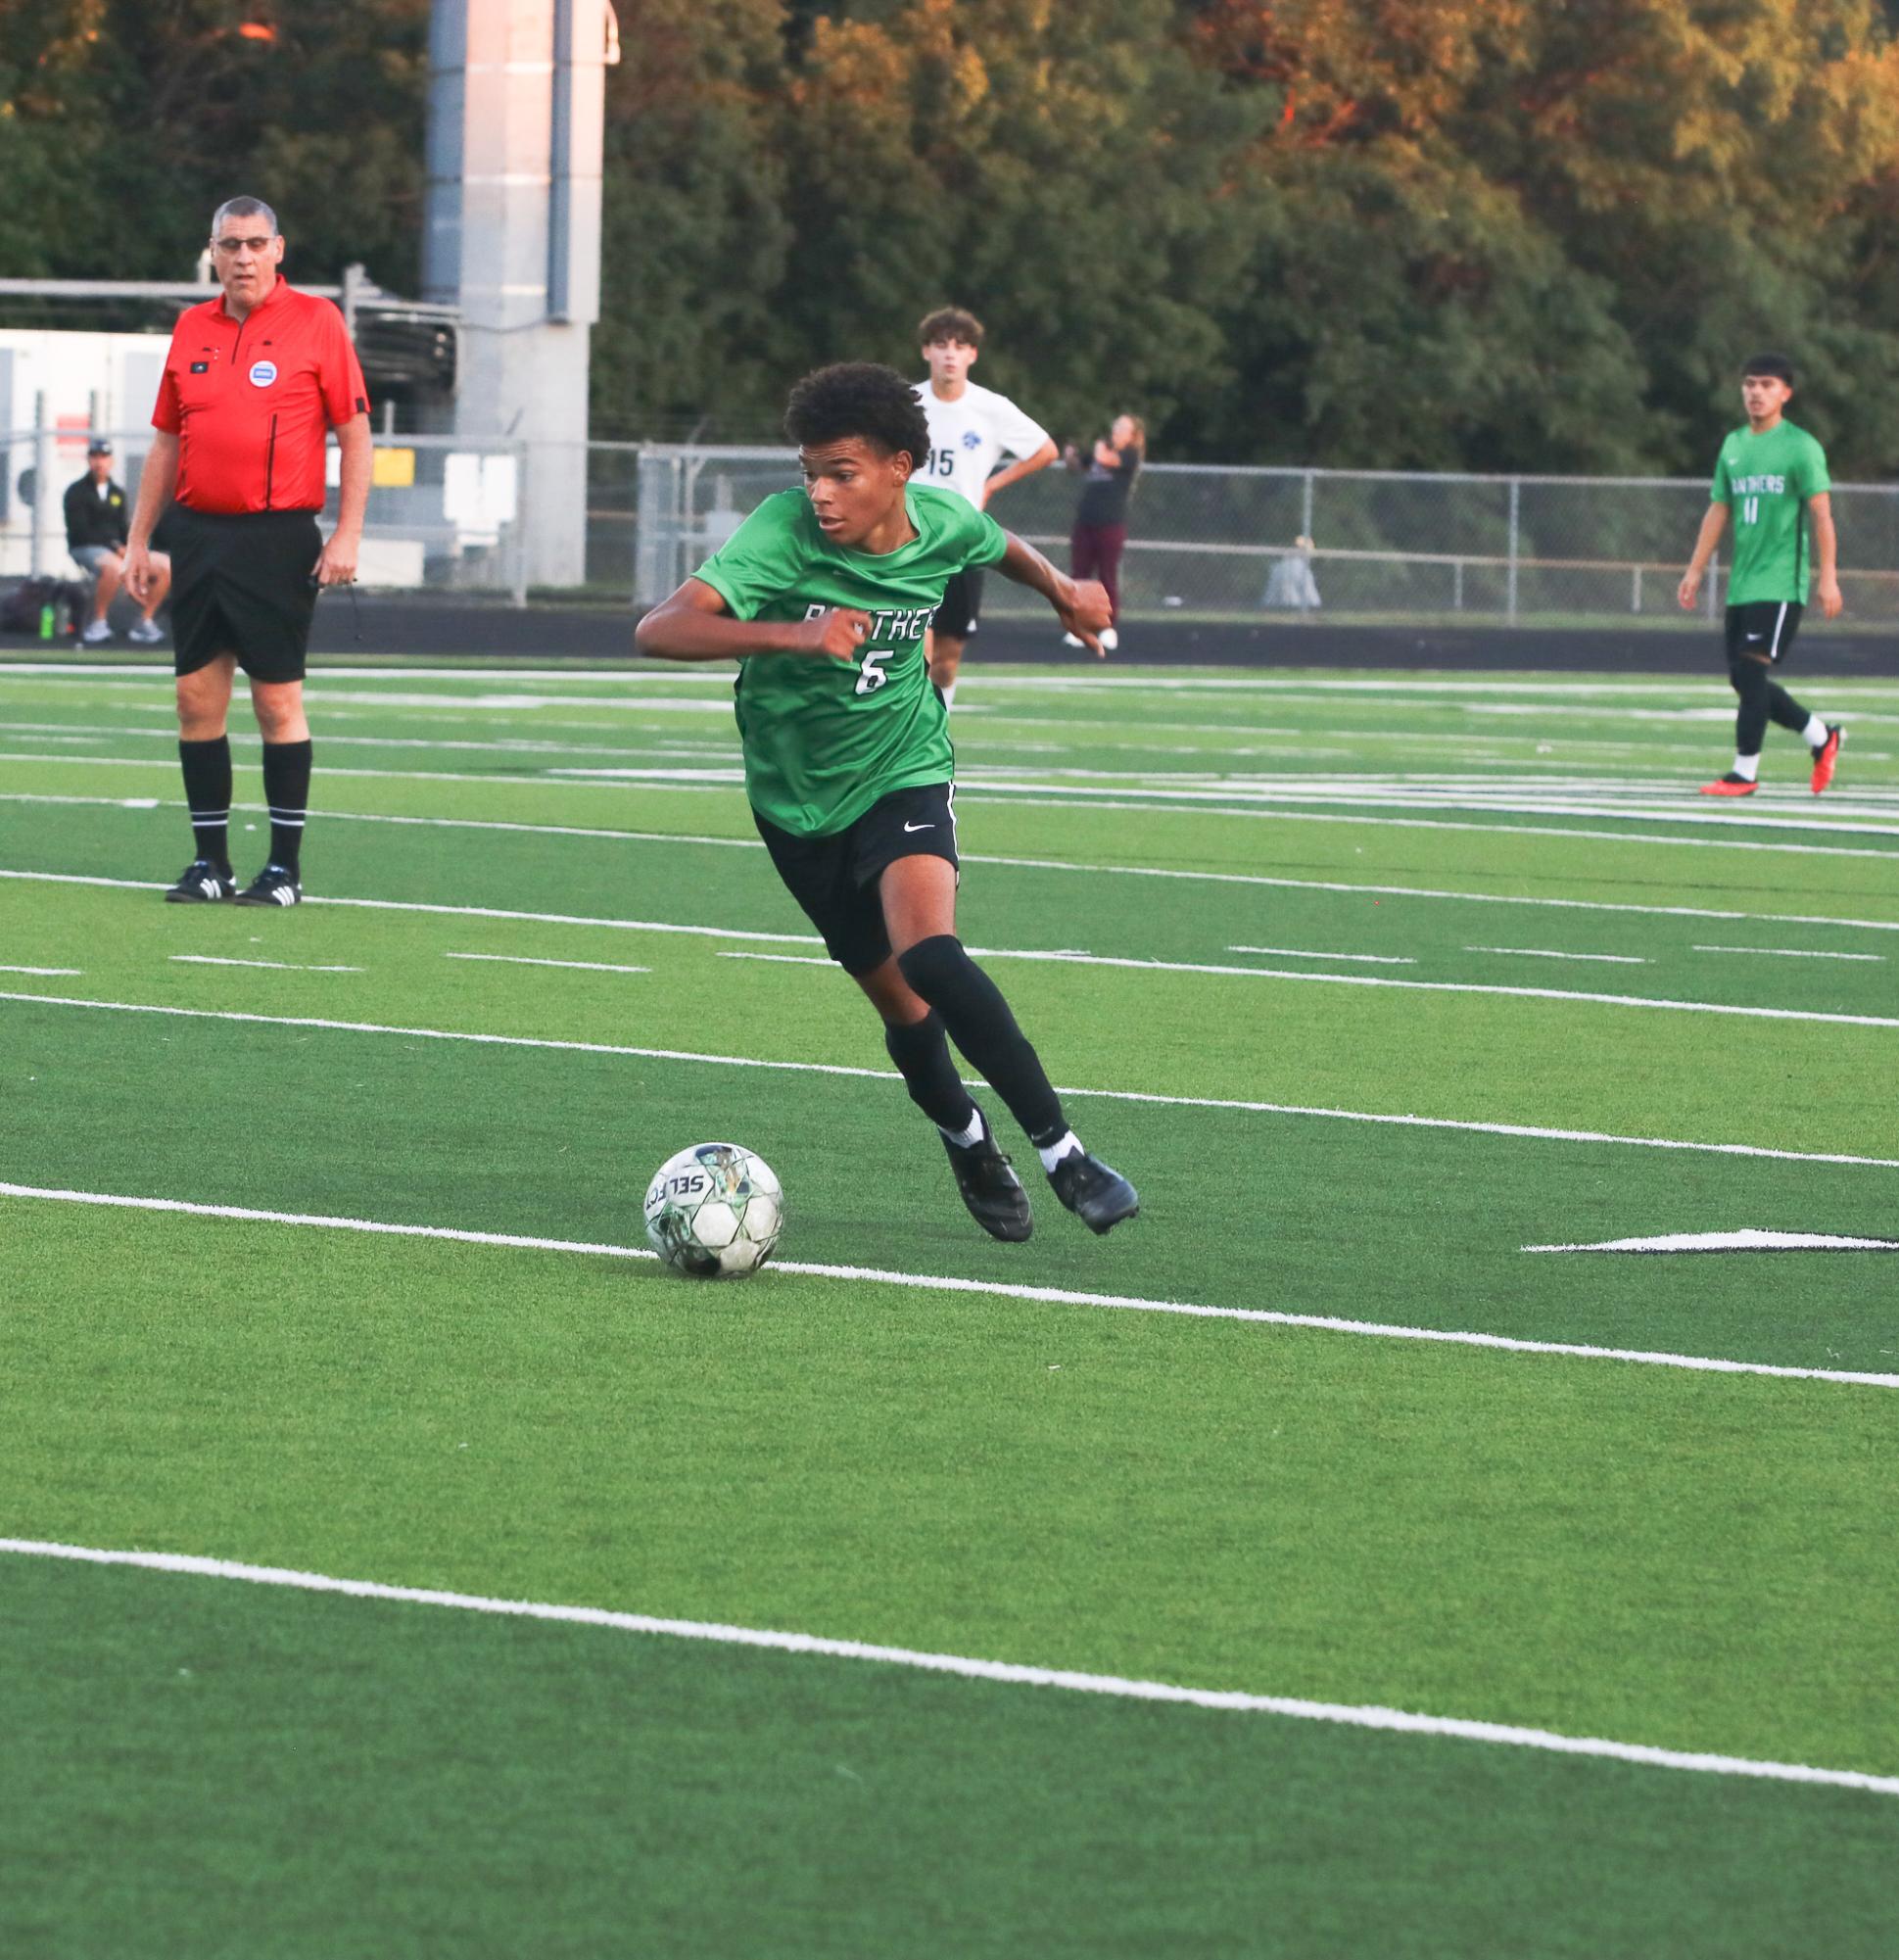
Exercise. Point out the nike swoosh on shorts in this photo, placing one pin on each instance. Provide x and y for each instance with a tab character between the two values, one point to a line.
920	826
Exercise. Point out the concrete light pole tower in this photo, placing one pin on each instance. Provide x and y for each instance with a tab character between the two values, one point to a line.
512	236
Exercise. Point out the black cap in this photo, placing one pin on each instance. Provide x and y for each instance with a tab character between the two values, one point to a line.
99	447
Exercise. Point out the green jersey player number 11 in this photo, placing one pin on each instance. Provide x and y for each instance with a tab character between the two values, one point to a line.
823	596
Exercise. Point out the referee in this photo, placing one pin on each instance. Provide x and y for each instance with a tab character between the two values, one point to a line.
252	384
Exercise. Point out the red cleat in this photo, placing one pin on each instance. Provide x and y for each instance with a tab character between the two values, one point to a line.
1824	758
1730	784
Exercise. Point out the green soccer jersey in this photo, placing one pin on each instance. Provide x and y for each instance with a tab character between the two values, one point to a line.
1766	480
824	741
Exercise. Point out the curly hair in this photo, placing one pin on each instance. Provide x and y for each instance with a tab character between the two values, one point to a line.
859	398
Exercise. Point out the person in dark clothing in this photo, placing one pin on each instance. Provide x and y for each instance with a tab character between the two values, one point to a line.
96	525
1100	531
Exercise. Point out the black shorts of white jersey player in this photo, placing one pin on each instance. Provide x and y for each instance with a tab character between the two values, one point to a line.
834	878
960	613
1763	630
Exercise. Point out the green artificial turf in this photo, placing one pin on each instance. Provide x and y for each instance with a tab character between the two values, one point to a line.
1697	1560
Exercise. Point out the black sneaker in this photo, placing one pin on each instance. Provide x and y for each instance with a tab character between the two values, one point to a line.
272	886
990	1187
1097	1194
203	882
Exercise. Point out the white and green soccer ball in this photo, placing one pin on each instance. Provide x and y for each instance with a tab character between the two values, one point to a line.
714	1211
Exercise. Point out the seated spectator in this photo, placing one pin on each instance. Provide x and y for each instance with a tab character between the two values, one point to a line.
97	521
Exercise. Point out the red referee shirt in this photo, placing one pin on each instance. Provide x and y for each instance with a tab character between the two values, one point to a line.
251	403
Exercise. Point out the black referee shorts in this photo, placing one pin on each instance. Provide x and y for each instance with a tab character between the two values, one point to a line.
241	584
834	878
961	611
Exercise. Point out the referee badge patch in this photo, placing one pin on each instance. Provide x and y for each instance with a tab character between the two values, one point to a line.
262	373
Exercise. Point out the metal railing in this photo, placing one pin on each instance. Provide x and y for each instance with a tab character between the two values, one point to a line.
1225	544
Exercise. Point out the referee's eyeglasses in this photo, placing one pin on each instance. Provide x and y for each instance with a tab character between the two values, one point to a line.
231	247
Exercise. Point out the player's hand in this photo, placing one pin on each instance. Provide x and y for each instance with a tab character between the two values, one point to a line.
837	635
1083	610
1689	590
1830	601
136	572
336	563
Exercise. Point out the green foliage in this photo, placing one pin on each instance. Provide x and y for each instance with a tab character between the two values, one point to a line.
1430	233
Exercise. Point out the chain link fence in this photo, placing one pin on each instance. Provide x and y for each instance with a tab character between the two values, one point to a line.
1236	545
1207	542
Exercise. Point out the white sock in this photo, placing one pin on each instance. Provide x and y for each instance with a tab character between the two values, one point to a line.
949	696
1815	734
1067	1145
966	1139
1747	767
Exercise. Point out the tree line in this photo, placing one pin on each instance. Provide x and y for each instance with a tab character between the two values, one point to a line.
1484	234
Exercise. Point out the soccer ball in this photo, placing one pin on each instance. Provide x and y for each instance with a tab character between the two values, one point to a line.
714	1211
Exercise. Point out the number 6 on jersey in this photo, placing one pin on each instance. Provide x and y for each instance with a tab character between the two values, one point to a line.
871	674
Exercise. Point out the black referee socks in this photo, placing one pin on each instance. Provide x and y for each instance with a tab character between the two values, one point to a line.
286	789
208	790
981	1024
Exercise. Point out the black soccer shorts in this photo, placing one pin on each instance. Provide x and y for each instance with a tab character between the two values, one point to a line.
960	613
241	584
834	878
1763	626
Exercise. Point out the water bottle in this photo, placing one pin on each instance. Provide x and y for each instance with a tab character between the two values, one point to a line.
46	621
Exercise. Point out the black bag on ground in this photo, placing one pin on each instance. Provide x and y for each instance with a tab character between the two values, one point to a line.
23	604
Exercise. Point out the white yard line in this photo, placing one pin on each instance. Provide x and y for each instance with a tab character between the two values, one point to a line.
936	1282
520	960
1751	1240
1409	1122
1790	953
1294	953
45	973
780	959
1011	1673
1023	796
1545	953
1068	958
1239	878
284	966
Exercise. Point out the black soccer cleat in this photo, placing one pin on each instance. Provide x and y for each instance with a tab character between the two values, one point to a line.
1095	1192
203	882
990	1187
272	886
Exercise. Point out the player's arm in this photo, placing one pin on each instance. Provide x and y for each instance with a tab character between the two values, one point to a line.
1714	526
696	624
1080	604
1825	543
1022	466
155	482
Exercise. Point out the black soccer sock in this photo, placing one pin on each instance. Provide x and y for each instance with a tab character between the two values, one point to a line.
979	1023
208	790
1750	683
1785	709
922	1058
286	789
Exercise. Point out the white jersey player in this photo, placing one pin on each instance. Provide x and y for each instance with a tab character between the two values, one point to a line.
971	430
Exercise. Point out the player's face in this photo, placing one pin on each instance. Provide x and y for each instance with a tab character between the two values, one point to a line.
1764	396
854	487
950	361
